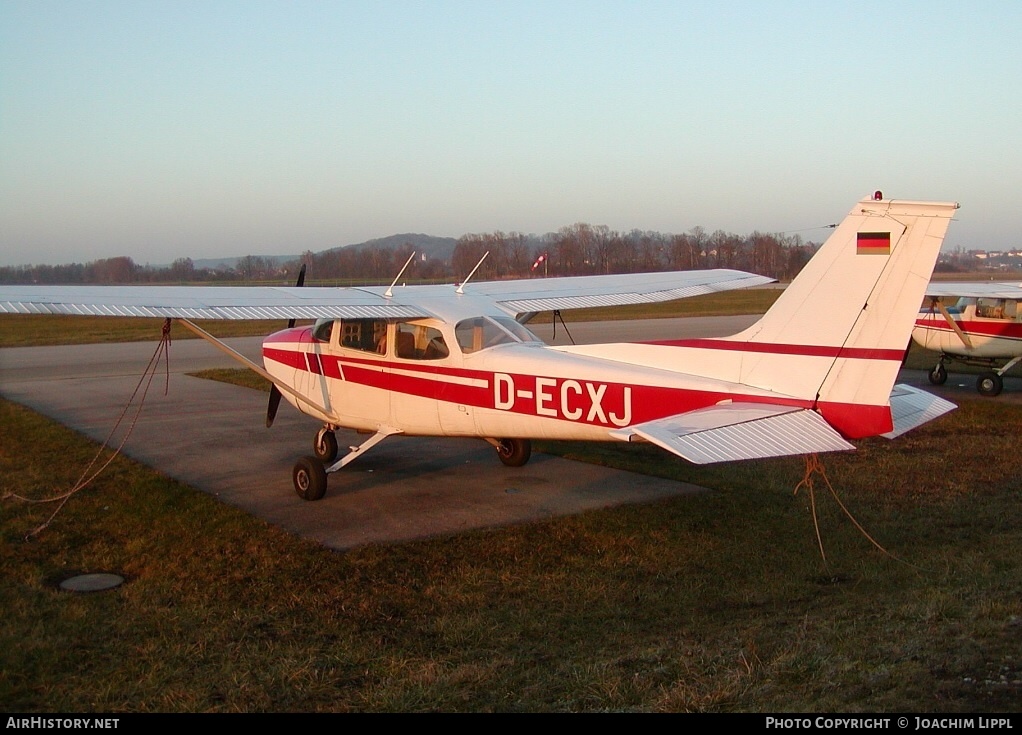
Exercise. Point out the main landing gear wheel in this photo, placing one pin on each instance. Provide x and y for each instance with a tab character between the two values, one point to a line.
989	384
324	446
514	452
309	477
938	376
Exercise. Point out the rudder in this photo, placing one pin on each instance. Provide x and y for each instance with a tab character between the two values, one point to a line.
838	333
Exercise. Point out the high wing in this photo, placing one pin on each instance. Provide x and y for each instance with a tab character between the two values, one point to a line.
204	302
976	289
269	302
548	294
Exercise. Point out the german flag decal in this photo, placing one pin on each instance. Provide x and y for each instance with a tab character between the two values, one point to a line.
873	243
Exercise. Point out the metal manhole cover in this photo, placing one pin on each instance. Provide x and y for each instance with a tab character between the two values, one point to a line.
91	582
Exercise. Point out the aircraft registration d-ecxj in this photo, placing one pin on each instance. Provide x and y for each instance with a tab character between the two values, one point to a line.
983	327
816	371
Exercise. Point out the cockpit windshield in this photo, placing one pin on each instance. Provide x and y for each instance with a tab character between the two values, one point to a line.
483	332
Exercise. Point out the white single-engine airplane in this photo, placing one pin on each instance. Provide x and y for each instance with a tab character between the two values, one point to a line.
815	371
983	326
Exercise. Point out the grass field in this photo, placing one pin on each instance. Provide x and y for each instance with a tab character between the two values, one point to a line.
718	602
24	330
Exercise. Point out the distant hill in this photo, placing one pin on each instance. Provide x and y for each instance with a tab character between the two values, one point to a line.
434	248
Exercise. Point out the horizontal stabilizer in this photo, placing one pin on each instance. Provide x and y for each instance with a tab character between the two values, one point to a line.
733	431
911	407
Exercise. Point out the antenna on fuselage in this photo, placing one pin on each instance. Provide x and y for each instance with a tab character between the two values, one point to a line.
461	288
390	291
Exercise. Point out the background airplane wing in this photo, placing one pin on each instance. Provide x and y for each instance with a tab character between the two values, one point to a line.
976	289
547	294
734	431
205	302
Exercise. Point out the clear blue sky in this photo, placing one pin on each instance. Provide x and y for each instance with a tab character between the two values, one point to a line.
169	129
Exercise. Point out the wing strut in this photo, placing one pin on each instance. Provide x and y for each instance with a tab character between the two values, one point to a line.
952	323
257	369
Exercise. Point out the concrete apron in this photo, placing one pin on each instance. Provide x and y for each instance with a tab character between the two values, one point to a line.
211	436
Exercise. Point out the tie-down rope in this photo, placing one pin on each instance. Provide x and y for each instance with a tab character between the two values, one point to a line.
162	350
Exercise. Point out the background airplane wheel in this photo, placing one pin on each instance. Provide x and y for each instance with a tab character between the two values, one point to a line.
938	376
989	384
309	477
324	446
514	452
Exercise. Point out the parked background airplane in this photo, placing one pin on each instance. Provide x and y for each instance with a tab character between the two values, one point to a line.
975	323
817	370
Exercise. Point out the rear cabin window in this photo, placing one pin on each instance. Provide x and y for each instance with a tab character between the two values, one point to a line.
994	309
368	335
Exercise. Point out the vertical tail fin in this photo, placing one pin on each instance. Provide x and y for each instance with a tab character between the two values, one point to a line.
838	333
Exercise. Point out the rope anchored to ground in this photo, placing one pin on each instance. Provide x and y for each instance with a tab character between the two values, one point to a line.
815	467
89	474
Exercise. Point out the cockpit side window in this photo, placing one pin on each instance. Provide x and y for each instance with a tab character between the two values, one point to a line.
419	342
477	334
482	332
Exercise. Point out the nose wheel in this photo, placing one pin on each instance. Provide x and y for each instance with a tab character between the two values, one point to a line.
309	477
324	446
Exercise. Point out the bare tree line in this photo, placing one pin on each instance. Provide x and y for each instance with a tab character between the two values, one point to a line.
582	249
576	250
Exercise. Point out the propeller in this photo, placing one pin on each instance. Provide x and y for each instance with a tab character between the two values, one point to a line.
271	407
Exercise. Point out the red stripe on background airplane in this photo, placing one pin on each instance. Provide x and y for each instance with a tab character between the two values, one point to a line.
816	370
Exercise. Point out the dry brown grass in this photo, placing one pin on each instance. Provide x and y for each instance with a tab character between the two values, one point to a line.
715	602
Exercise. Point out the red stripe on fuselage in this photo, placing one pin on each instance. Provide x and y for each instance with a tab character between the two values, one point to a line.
772	348
593	402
